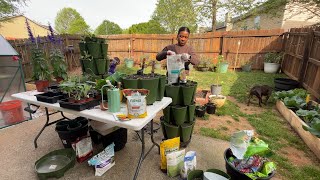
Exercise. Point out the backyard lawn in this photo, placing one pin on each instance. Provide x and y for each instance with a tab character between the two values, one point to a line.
293	158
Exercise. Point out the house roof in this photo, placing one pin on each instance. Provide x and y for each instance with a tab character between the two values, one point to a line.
11	17
5	48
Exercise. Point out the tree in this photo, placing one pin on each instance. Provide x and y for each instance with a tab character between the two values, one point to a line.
10	7
108	27
69	21
172	14
150	27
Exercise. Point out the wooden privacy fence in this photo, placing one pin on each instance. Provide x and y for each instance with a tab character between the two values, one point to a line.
253	45
302	57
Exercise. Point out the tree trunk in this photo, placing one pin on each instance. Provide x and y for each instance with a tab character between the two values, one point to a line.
214	14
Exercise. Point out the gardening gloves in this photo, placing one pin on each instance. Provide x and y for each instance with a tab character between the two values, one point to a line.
185	57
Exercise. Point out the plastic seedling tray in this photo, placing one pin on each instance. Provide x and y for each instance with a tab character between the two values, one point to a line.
55	163
50	97
78	106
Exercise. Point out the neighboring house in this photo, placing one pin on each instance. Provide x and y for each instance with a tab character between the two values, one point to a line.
15	28
291	15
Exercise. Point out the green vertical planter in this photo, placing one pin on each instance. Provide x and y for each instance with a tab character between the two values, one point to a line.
152	85
173	92
172	131
187	94
89	66
94	49
195	85
179	114
161	87
130	83
167	114
101	65
82	47
191	112
104	50
107	64
186	131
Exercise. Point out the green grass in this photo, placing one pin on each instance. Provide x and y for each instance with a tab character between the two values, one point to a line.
214	133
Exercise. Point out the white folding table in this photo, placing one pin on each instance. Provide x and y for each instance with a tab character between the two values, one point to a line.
103	116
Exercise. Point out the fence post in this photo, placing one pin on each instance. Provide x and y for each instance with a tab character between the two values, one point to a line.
221	45
306	55
68	58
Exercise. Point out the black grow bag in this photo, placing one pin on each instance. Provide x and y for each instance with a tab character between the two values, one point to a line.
234	173
285	84
69	131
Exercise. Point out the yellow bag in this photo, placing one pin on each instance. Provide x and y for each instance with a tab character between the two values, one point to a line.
167	146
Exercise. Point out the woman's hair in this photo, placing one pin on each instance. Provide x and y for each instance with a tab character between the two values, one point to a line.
184	29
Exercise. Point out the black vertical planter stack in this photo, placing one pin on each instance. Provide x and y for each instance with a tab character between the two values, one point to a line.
94	59
178	119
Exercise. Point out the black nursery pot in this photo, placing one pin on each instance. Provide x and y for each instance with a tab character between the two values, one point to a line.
211	108
200	111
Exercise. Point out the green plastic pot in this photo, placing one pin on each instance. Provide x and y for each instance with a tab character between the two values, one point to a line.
130	83
82	47
187	94
173	92
223	67
101	65
172	131
186	131
152	85
94	50
195	174
167	114
107	64
104	49
161	87
191	112
179	114
195	85
89	66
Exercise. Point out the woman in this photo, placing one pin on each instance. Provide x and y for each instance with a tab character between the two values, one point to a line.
188	54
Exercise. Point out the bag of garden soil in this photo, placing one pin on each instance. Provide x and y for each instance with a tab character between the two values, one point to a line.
175	65
136	102
168	146
83	148
175	163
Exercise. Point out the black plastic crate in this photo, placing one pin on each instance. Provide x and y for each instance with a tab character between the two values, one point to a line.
78	106
50	97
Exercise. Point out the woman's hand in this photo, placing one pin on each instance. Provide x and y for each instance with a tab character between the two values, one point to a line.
170	53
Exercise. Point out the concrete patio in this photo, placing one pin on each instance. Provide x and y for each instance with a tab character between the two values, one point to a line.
19	155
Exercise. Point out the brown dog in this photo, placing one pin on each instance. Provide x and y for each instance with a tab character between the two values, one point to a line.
260	91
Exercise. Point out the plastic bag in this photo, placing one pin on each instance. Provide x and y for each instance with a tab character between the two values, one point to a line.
175	163
136	102
190	164
174	66
167	146
257	147
103	161
240	141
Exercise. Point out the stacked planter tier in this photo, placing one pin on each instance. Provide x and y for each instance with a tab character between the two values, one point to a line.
97	49
155	83
179	119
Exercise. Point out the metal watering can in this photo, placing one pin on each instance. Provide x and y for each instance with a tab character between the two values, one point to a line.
113	97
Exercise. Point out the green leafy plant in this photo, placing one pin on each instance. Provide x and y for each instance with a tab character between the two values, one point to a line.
58	64
40	65
272	57
314	127
204	62
308	116
280	95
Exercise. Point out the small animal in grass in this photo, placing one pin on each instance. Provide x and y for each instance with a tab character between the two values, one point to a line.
259	92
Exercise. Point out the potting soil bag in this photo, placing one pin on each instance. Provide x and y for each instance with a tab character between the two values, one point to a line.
175	65
239	142
136	102
175	163
189	164
167	146
103	161
83	148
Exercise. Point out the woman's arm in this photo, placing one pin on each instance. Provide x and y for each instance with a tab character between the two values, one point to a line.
194	57
162	54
